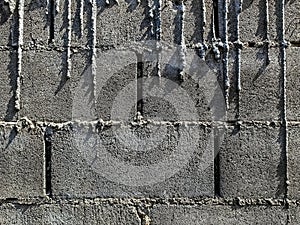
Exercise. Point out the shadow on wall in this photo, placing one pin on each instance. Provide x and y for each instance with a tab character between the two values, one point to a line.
40	5
132	5
6	9
262	26
196	10
8	23
281	168
292	24
12	68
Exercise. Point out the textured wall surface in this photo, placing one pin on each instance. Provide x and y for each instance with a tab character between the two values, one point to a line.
149	112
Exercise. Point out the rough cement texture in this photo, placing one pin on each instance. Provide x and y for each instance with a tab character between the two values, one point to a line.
78	169
292	92
48	83
116	83
292	21
232	110
253	24
294	215
8	75
132	23
21	153
197	81
8	25
82	142
260	81
194	215
67	214
293	159
251	162
36	22
73	24
194	17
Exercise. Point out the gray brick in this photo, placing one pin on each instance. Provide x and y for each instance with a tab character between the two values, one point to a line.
168	31
207	214
261	215
21	163
8	25
294	215
292	84
273	20
196	30
160	163
123	23
81	87
251	162
8	215
252	24
116	84
260	84
67	214
8	75
292	21
233	100
293	162
198	96
81	25
45	91
36	22
232	23
247	20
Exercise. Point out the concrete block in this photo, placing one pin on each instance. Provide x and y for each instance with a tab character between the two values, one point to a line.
8	24
116	87
194	95
21	163
294	215
232	22
45	92
232	74
292	21
261	214
247	20
81	97
132	161
198	22
186	102
169	34
8	75
251	162
80	24
67	214
260	84
273	20
119	24
36	25
191	215
253	25
207	214
292	82
293	159
8	215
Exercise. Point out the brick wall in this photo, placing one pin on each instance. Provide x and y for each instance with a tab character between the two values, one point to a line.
149	112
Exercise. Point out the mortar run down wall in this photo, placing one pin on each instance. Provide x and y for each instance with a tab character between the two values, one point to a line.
149	112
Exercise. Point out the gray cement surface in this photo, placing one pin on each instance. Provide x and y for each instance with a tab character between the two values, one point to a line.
149	112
